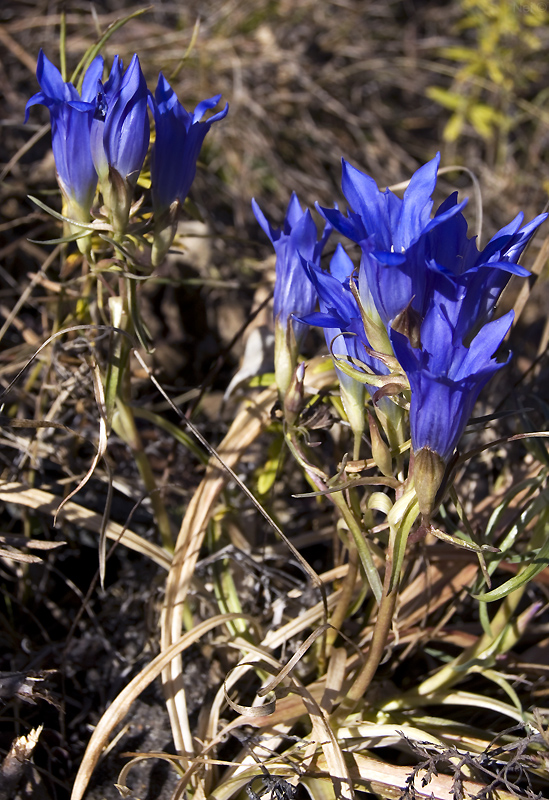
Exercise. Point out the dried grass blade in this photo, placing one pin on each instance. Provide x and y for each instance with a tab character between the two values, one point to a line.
326	738
121	705
247	425
322	733
47	503
389	781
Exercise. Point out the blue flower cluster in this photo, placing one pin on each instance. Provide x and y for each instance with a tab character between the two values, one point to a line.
102	137
422	299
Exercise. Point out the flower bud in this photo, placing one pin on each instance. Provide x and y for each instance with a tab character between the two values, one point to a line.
380	452
428	473
119	137
293	399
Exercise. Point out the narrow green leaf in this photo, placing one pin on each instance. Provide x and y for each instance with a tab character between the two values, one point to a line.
267	474
174	430
84	225
72	237
63	46
539	563
141	330
401	518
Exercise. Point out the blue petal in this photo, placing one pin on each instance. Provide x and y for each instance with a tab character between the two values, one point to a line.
446	378
389	259
350	226
293	214
417	203
50	80
272	233
92	76
368	202
322	320
179	138
205	105
341	266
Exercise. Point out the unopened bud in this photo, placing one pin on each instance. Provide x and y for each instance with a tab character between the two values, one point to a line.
380	452
428	473
293	399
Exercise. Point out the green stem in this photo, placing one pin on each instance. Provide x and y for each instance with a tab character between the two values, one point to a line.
321	481
117	396
124	425
377	646
342	607
357	533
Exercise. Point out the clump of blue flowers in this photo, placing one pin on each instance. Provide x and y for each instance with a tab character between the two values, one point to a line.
100	140
415	320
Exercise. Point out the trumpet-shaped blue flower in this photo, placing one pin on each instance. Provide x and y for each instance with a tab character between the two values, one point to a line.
120	128
339	313
294	293
468	282
71	118
179	138
347	340
386	227
446	377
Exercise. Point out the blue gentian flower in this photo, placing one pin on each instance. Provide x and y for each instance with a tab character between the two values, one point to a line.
339	315
294	293
179	137
120	129
70	126
446	377
426	285
386	227
119	135
468	281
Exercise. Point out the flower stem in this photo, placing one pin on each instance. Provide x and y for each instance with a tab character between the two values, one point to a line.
377	646
342	607
124	425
